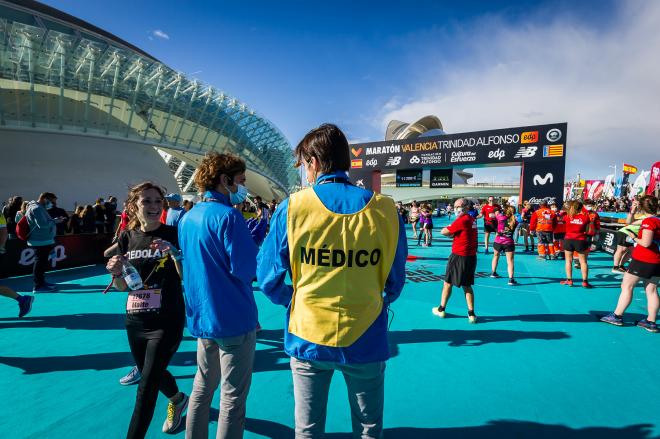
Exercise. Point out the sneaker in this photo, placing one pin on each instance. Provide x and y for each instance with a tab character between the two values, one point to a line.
494	275
472	318
485	251
132	377
615	270
512	281
648	325
174	415
577	266
622	269
51	285
553	257
586	284
541	258
568	282
612	319
438	312
24	305
44	289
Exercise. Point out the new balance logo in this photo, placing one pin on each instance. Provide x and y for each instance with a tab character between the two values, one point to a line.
540	181
525	152
393	161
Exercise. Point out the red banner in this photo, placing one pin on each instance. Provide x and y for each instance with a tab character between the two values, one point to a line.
654	179
593	189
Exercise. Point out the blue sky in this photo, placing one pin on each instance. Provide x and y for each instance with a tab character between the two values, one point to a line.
476	65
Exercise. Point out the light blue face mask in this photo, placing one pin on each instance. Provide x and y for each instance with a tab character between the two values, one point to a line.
239	196
49	205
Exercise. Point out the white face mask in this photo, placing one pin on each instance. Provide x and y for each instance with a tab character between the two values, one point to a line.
459	210
589	208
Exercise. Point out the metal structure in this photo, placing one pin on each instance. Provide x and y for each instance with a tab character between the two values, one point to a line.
60	74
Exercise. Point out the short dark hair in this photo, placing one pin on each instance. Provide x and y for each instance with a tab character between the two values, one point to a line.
47	195
328	145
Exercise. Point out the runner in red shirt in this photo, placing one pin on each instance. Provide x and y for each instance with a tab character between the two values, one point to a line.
592	229
559	230
576	241
645	265
462	261
542	224
490	221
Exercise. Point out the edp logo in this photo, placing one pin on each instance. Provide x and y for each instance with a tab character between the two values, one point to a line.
497	154
56	255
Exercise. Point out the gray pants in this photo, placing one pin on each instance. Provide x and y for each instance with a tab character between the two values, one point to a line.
229	358
365	383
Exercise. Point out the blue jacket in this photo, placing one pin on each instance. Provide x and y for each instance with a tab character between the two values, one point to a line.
174	215
273	267
218	269
257	228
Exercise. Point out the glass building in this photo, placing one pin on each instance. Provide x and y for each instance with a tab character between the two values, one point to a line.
61	75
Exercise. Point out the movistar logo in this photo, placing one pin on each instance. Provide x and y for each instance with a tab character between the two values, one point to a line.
324	257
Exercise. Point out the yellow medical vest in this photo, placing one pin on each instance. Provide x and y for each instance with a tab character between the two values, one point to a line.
339	265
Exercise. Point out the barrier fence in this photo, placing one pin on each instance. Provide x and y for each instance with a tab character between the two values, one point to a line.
70	251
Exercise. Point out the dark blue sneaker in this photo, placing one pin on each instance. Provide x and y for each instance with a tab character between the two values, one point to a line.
612	319
51	285
132	377
494	275
512	281
648	325
24	305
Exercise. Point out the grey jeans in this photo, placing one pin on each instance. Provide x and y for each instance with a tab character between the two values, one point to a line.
365	383
231	359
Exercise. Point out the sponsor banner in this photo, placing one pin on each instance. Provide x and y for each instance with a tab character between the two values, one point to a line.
629	169
593	189
362	177
409	178
607	241
509	145
543	181
69	251
441	178
654	179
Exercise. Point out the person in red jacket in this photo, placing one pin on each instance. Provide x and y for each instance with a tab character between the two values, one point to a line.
490	222
576	241
645	266
542	224
559	231
592	229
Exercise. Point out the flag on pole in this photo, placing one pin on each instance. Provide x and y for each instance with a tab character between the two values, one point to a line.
654	181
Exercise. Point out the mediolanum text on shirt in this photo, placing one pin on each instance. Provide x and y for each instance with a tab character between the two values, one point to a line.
144	254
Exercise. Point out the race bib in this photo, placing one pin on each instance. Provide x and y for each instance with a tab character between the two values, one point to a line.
143	301
547	216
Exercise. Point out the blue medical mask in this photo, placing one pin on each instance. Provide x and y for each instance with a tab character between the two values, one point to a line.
49	205
239	196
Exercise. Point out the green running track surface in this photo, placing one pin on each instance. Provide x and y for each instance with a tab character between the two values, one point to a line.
538	365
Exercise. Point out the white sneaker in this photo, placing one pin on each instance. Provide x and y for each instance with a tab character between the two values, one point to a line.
174	415
436	311
472	319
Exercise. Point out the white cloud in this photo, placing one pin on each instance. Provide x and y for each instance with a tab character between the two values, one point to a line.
160	34
604	82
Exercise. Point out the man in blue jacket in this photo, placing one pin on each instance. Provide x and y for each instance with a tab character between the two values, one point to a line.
220	264
345	250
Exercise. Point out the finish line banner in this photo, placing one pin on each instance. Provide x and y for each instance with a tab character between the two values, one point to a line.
540	146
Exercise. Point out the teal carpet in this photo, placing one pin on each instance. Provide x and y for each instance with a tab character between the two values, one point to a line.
538	364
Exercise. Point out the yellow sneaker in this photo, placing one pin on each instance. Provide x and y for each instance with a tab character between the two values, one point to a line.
174	415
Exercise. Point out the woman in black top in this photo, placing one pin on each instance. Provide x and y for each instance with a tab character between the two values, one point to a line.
88	219
9	211
155	313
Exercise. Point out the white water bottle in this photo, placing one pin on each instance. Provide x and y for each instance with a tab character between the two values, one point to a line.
131	276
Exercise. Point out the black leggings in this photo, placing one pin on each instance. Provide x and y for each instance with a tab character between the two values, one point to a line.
152	351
